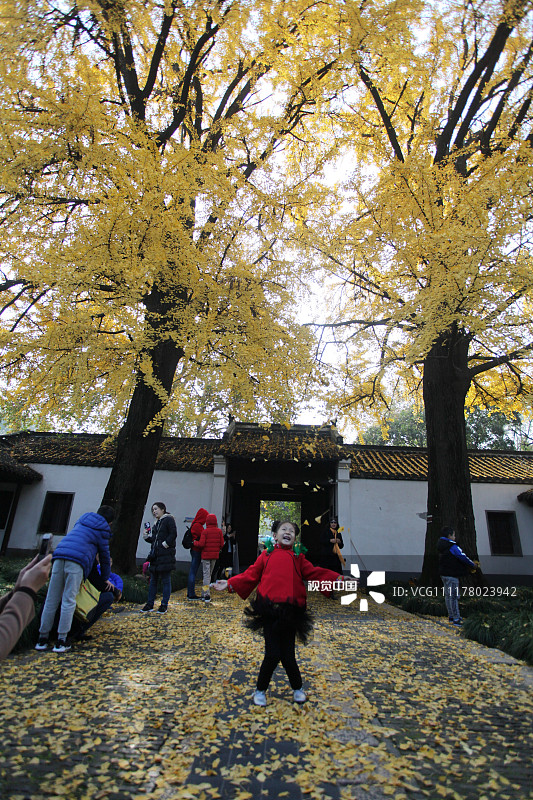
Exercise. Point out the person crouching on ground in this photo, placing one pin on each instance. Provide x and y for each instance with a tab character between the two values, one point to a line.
72	561
211	543
453	563
280	606
110	591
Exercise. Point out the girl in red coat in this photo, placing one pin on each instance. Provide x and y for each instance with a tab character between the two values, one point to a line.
211	543
280	605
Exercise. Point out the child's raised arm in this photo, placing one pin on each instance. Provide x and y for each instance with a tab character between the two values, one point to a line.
245	582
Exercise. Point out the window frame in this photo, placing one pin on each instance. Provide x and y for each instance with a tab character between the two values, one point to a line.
515	534
41	529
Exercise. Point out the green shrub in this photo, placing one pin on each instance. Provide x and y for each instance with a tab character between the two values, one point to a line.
510	631
433	606
179	580
9	570
136	588
504	621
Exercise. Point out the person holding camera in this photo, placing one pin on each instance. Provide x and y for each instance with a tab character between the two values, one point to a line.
331	544
227	553
17	607
162	556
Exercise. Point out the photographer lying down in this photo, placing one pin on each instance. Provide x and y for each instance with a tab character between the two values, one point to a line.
17	607
110	591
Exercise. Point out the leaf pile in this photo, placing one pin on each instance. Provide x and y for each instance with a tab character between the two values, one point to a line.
160	707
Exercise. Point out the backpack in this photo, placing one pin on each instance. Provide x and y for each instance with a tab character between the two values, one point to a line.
187	540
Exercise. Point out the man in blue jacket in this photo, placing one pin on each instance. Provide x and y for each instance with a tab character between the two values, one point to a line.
452	564
72	562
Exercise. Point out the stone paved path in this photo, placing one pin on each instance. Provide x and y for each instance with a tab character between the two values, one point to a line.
159	706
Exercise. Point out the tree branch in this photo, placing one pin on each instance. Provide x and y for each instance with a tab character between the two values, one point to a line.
391	133
195	58
499	360
511	86
159	49
485	65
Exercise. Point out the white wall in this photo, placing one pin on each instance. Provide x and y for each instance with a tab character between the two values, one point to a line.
182	492
503	497
86	483
385	531
382	526
388	534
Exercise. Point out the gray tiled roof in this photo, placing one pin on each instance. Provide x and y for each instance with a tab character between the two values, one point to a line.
272	443
12	470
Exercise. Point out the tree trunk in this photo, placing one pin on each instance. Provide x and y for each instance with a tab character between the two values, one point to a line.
131	476
445	385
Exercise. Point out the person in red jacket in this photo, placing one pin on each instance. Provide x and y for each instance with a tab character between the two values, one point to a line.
197	528
211	542
280	605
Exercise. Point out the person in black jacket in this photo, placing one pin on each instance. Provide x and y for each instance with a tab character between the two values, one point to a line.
452	564
162	556
331	544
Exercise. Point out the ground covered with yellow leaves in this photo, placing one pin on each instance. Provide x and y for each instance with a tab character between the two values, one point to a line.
159	706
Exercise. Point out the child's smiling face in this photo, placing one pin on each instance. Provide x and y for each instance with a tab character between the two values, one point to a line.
285	534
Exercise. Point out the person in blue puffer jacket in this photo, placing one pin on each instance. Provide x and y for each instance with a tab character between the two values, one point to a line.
72	562
453	563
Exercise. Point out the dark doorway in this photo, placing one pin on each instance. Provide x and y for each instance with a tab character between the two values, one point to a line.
313	485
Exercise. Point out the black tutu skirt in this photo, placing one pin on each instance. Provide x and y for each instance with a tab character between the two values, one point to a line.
285	617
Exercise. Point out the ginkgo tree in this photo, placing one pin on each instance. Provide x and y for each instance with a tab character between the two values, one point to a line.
143	188
429	244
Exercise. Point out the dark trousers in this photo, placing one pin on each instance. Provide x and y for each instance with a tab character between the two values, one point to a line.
196	558
79	628
279	646
104	603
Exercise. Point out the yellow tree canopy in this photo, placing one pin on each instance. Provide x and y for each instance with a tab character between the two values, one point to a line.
430	234
143	188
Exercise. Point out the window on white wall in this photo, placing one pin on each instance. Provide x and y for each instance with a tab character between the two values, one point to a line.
6	498
503	533
56	513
